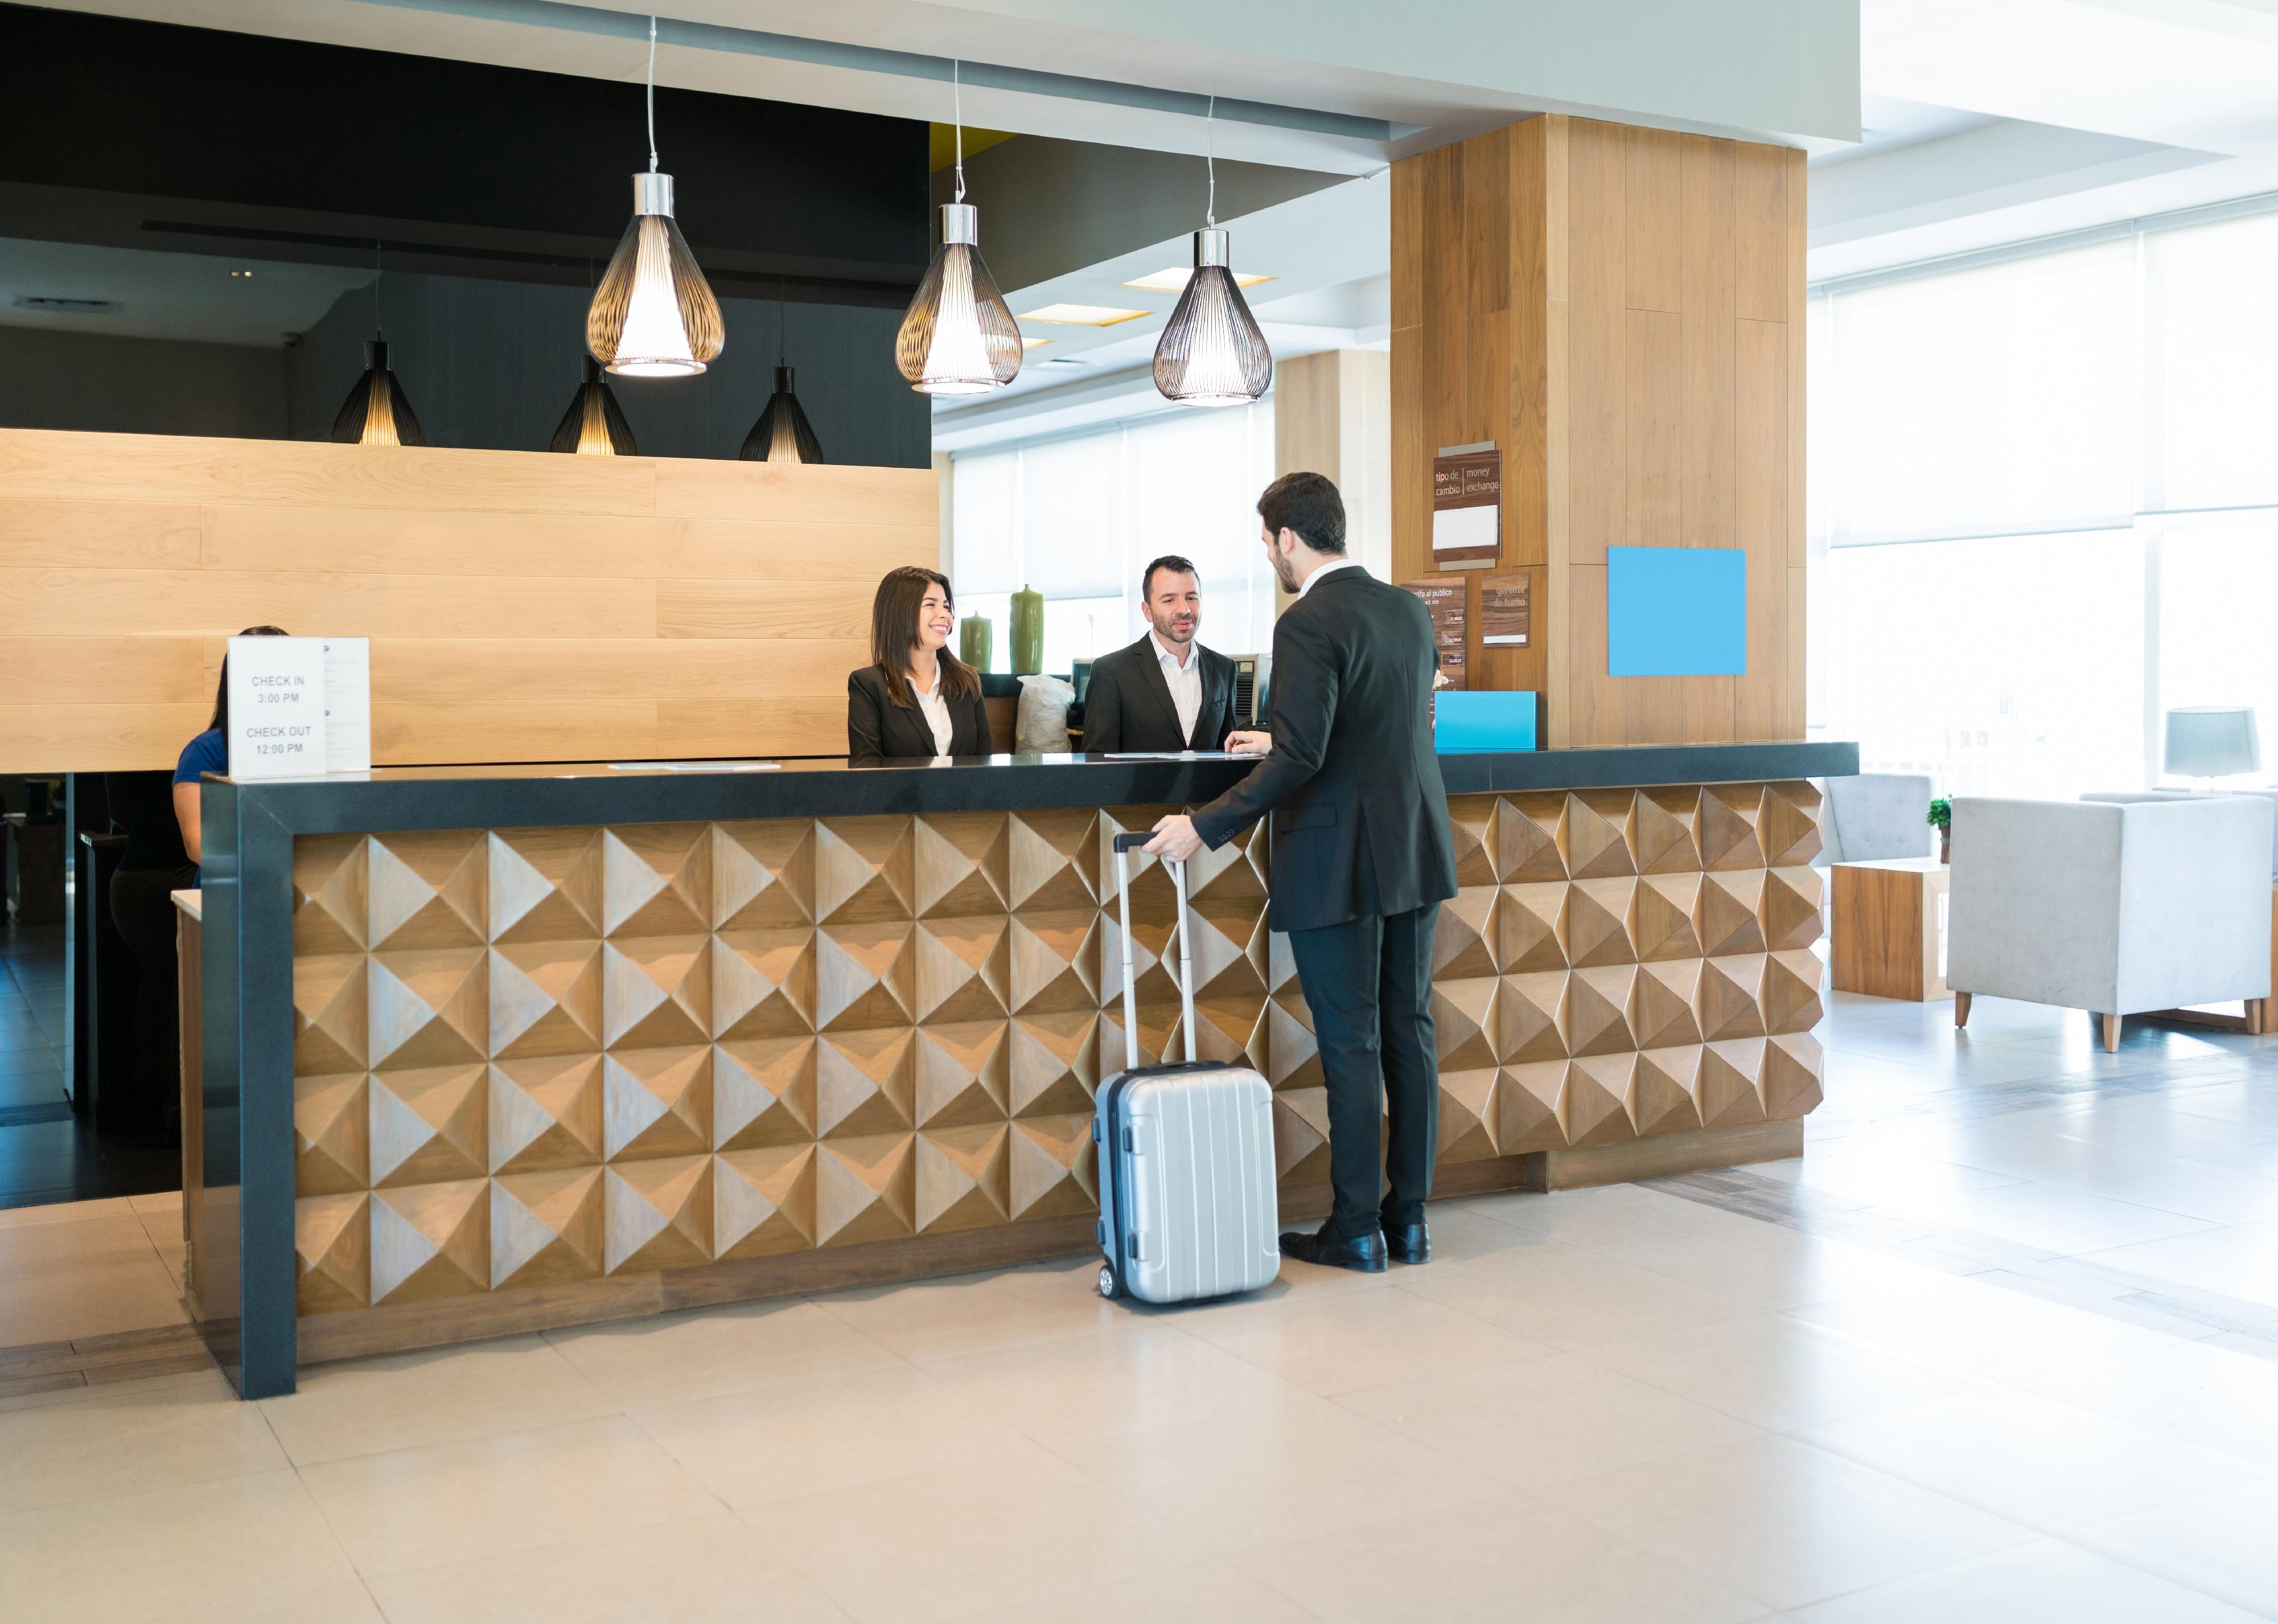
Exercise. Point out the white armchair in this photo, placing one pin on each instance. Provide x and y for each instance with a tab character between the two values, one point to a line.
1877	815
2270	795
2116	908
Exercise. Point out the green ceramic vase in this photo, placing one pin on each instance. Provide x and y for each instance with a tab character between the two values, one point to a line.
1027	632
975	641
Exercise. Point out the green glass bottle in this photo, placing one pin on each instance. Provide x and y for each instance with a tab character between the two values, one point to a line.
976	639
1027	632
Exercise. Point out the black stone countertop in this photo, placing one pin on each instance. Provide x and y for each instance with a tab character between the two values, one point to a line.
503	796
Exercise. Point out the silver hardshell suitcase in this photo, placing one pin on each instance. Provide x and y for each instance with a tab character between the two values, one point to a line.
1187	1202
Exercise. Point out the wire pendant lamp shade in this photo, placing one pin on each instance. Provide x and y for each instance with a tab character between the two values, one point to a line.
595	425
376	413
958	337
1212	352
654	316
783	434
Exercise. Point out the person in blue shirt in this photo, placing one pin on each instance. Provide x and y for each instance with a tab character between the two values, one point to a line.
161	857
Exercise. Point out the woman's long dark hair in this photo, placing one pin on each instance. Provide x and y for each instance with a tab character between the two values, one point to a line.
894	633
221	692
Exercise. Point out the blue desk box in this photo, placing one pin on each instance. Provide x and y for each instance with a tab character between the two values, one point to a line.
1489	720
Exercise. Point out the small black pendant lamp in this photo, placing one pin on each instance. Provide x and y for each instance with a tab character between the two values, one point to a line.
783	434
376	413
594	425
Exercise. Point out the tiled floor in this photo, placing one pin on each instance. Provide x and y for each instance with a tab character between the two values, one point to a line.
2003	1345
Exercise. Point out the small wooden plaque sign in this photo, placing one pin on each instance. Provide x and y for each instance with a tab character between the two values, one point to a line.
1467	508
1443	596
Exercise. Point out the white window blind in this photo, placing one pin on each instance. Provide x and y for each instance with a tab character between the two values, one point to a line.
2006	666
2071	459
1992	400
2214	365
1078	518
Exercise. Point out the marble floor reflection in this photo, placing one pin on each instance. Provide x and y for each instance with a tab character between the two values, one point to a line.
2002	1345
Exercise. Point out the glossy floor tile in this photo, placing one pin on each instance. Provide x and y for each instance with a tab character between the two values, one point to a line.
411	1508
2045	1579
1784	1523
1546	1564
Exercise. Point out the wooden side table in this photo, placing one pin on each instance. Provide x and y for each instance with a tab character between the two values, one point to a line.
1889	928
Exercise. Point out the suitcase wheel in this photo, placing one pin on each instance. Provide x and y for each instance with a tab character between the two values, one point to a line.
1107	1280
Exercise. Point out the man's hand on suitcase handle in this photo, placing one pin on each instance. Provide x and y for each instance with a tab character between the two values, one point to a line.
1174	838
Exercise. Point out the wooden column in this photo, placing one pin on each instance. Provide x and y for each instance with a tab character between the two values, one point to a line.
1332	415
1621	311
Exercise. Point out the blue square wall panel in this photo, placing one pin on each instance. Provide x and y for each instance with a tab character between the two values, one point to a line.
1677	611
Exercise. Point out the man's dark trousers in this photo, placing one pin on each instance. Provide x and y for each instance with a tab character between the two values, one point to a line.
1366	977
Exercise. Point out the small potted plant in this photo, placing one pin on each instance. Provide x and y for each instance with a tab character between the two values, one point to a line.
1941	818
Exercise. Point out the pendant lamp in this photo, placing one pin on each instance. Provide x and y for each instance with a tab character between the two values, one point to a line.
594	425
376	413
958	337
1211	352
654	315
783	434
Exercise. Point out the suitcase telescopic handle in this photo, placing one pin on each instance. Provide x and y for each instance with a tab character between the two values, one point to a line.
1124	844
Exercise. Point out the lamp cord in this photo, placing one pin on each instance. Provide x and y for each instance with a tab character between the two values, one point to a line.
651	94
377	270
1210	161
957	121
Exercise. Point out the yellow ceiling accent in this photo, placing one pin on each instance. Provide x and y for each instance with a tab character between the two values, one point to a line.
1082	315
1176	279
945	143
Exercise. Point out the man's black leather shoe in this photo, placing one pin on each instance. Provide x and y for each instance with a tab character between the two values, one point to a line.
1331	1250
1408	1243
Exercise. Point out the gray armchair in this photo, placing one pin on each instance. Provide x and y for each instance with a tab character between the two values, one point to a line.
1872	816
2115	906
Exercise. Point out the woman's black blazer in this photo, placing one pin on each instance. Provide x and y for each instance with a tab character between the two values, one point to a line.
878	727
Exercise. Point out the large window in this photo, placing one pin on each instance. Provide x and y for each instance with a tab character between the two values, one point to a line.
1078	518
2043	507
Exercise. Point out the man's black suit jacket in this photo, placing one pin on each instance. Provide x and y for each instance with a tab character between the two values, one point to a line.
1128	705
1360	816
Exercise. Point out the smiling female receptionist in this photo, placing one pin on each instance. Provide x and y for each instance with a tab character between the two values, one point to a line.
915	698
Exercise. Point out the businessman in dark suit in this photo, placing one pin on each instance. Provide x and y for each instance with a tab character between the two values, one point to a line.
1362	861
1165	692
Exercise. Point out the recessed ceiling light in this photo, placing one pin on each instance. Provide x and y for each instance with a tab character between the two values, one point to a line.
240	274
1175	280
1030	343
1082	315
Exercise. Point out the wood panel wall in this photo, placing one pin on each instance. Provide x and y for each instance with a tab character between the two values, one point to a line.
1621	311
522	606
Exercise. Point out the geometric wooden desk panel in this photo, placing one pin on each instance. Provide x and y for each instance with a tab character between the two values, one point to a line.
549	1060
1889	928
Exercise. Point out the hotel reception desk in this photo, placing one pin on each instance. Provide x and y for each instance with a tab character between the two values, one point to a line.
492	1049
